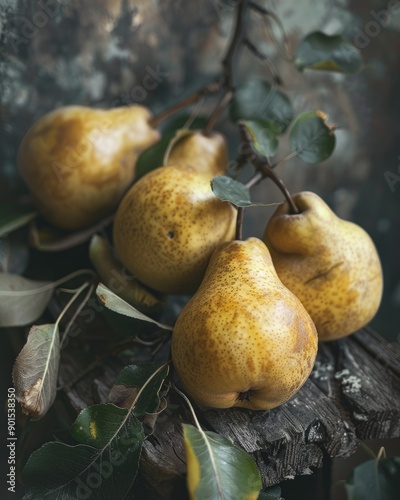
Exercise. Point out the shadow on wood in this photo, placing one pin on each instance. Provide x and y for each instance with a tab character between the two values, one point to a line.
352	394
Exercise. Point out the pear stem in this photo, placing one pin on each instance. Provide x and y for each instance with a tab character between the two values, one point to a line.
239	223
257	177
268	172
190	407
219	109
212	88
265	170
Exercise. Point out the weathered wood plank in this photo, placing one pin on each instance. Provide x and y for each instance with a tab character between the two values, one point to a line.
292	439
353	393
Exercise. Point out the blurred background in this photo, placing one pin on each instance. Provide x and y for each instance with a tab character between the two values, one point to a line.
99	53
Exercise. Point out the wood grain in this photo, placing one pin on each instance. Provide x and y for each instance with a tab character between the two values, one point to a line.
353	394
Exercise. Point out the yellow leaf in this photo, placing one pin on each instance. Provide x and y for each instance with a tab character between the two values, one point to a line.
193	468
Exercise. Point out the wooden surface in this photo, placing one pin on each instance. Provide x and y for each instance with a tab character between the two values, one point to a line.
352	394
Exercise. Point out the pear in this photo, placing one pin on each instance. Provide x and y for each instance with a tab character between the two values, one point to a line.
114	276
206	153
168	225
243	339
330	264
78	161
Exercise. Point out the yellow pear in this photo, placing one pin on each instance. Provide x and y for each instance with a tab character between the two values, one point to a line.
243	339
114	276
206	153
79	161
168	225
330	264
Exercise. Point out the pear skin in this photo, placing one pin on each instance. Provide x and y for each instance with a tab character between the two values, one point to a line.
79	161
167	226
330	264
113	275
206	153
243	340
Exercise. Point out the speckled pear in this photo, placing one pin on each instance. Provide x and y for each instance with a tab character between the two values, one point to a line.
170	221
243	340
330	264
168	225
206	153
79	161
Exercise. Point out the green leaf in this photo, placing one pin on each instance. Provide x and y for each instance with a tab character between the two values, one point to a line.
327	52
96	425
228	189
57	471
127	327
35	370
218	469
311	137
106	463
375	480
22	301
154	156
14	217
263	140
134	377
259	100
118	305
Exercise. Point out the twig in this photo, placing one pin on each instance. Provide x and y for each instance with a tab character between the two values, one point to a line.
239	223
79	308
211	88
237	38
265	170
254	50
228	65
268	172
219	109
257	177
286	52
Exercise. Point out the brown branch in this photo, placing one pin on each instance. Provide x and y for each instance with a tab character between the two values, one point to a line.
257	177
265	170
212	88
239	223
228	67
268	62
219	109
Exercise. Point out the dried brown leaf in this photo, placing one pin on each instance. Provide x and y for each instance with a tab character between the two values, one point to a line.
35	371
